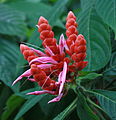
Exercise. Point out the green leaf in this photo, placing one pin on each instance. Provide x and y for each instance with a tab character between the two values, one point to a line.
111	70
8	59
4	95
37	9
86	3
107	100
67	111
28	105
12	104
23	93
53	109
12	21
98	41
34	39
107	11
83	110
56	11
90	76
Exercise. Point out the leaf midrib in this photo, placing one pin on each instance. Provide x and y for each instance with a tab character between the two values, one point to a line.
89	43
103	96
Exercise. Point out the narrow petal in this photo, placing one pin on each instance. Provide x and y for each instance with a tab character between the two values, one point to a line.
66	46
31	79
63	77
25	74
41	54
49	51
41	92
44	60
44	66
61	43
56	99
60	77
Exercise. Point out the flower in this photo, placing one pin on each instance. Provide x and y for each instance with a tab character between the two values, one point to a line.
53	68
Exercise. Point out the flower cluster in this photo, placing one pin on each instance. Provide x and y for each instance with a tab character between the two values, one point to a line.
59	64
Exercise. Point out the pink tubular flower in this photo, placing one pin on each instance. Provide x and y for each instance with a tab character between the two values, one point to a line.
53	68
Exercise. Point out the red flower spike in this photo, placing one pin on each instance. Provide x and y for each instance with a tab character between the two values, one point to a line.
47	35
53	69
41	77
44	26
27	53
42	20
79	49
49	42
80	65
71	31
70	15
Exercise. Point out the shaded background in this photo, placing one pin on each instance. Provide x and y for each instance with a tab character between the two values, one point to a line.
18	19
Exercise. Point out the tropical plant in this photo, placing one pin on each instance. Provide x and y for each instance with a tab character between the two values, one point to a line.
90	93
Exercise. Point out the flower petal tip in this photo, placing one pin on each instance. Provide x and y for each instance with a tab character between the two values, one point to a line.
18	79
37	26
57	99
13	83
29	94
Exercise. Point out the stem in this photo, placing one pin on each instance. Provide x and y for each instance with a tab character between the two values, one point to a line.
100	115
69	109
97	106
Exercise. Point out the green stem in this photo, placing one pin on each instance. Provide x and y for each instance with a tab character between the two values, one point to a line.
67	111
100	115
97	106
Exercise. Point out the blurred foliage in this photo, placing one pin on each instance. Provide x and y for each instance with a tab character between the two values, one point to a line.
97	22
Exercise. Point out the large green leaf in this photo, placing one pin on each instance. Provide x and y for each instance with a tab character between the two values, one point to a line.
107	100
8	59
56	11
83	110
12	21
97	35
107	10
28	105
89	76
111	70
12	104
53	109
87	3
33	10
67	111
23	93
4	95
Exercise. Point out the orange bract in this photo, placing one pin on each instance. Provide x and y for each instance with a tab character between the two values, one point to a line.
43	80
71	31
27	53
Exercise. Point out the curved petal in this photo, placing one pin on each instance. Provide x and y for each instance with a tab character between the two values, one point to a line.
44	60
60	77
49	51
56	99
63	77
43	66
32	79
41	92
25	74
61	43
38	52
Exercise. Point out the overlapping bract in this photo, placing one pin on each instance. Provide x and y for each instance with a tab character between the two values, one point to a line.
53	69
